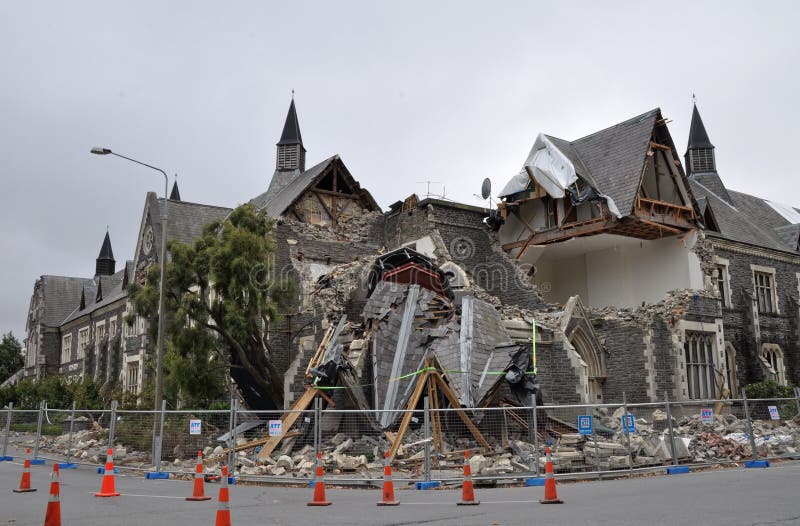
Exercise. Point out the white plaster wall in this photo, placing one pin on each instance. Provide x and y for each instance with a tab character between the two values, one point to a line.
622	274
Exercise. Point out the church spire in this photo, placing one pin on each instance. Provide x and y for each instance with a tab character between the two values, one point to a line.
105	263
291	153
699	151
175	195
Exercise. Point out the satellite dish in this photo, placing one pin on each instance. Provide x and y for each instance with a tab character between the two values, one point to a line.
486	188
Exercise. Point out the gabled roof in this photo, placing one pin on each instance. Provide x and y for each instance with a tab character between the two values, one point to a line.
112	288
276	204
186	220
746	219
61	294
291	128
615	157
712	181
698	138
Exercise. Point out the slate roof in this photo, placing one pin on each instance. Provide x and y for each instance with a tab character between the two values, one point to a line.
611	160
112	287
276	203
61	295
746	219
186	220
712	181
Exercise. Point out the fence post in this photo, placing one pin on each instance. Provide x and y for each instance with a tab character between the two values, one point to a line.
111	425
627	434
7	432
231	436
595	437
38	431
427	439
797	399
749	426
160	438
69	436
535	432
317	426
671	430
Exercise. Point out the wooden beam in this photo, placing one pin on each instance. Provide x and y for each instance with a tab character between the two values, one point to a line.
451	397
554	234
335	194
287	421
660	146
412	403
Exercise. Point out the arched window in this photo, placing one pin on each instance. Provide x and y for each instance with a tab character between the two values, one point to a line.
700	371
730	366
771	357
595	373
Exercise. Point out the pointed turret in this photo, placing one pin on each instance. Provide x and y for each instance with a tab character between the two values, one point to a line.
291	153
175	195
699	152
105	263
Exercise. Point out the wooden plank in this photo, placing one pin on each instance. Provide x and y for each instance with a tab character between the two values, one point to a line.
456	405
287	421
412	403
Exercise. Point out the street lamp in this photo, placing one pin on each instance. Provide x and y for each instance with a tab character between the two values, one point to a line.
162	299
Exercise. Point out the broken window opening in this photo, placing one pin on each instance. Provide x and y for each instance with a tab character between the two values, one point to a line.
771	356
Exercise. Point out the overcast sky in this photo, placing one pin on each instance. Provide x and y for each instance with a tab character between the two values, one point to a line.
450	92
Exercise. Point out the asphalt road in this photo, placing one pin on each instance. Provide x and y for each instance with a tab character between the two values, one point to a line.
724	497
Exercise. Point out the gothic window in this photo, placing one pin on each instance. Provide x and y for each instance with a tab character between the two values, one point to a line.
100	332
66	348
765	291
771	356
112	328
132	379
699	353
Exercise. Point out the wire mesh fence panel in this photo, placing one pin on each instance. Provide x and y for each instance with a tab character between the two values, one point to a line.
133	439
775	428
22	432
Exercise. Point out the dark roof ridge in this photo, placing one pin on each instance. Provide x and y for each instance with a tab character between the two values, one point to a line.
181	203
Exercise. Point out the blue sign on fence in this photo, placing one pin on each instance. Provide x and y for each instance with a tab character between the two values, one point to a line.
585	426
628	423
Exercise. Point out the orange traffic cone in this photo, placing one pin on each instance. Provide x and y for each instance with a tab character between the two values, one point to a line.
107	487
319	485
224	508
467	491
388	485
53	515
550	494
198	493
25	482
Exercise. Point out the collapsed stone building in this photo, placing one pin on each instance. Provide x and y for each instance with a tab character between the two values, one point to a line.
605	267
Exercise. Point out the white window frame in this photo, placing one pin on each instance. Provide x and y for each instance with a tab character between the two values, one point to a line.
715	332
776	309
724	265
771	356
113	327
730	372
132	373
66	348
83	341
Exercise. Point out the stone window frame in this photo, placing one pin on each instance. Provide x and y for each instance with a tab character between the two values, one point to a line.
730	374
113	327
773	292
771	356
97	327
66	348
724	264
83	341
132	376
718	351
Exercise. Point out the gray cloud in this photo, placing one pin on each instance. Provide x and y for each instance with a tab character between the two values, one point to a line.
447	91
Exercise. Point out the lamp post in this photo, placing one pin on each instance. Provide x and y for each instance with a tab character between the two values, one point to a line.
162	296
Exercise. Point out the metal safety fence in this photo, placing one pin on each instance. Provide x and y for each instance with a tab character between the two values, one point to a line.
426	445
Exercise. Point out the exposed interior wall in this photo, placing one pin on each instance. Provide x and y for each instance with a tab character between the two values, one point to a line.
607	270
